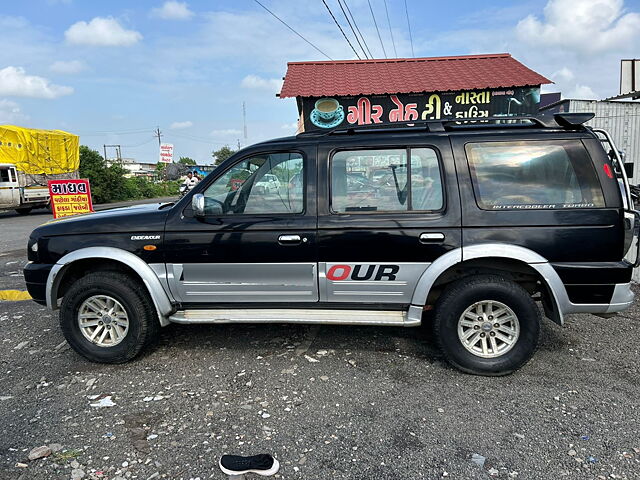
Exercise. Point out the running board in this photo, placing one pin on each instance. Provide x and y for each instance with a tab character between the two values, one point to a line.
397	318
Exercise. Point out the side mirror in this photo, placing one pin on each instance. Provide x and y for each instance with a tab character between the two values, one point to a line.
197	204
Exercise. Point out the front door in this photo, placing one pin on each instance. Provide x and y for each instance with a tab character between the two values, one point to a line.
257	241
386	212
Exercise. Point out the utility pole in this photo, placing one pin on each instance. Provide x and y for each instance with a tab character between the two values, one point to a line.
238	144
158	134
118	152
244	120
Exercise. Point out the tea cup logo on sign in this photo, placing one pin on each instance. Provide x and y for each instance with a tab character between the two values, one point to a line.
328	113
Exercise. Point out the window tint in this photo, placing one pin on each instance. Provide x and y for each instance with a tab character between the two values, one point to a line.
377	181
4	175
533	175
269	183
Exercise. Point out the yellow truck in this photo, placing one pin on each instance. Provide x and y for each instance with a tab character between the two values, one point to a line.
28	159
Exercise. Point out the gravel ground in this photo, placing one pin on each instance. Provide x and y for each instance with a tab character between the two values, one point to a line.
328	402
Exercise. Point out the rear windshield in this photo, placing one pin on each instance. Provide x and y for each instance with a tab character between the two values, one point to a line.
533	175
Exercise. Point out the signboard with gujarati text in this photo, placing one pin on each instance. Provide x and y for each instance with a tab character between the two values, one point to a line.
70	197
166	153
323	113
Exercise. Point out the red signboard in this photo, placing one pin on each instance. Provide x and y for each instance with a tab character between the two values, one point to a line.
70	197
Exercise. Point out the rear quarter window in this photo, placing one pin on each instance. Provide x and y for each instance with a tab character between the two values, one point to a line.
533	175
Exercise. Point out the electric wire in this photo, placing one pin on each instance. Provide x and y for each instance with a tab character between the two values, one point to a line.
115	132
290	28
197	139
138	144
357	28
406	11
377	30
395	52
352	29
341	30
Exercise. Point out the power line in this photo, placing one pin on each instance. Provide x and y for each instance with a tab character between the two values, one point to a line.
357	29
406	10
197	139
390	31
290	28
352	30
376	24
340	28
139	144
116	132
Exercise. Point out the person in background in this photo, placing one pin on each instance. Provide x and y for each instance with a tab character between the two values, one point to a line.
191	181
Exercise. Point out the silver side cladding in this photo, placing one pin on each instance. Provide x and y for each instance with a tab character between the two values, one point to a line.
246	282
397	291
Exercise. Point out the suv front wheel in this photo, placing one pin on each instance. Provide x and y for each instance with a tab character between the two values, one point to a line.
487	325
108	317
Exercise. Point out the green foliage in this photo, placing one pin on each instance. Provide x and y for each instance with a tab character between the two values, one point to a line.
221	155
187	161
108	184
141	187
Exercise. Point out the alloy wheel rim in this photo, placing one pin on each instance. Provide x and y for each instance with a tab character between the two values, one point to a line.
488	329
103	321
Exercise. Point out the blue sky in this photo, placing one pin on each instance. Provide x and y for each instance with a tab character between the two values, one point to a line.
113	71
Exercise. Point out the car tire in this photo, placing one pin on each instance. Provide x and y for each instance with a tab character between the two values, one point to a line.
128	296
487	325
24	211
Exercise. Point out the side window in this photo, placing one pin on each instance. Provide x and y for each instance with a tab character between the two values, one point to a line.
533	175
266	183
4	175
388	180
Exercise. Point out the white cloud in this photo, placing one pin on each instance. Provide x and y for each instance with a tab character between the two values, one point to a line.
230	132
586	26
102	32
565	82
70	67
16	83
581	92
259	83
562	76
181	125
173	10
10	112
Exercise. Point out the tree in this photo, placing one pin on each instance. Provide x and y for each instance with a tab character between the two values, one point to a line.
107	183
187	161
221	155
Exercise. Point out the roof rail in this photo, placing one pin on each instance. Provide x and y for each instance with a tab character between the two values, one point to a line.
558	120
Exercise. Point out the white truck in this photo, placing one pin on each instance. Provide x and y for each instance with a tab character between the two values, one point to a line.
28	159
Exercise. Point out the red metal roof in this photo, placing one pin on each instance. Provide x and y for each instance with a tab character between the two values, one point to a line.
406	75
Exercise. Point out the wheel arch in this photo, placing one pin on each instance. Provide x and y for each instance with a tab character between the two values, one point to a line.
127	261
496	257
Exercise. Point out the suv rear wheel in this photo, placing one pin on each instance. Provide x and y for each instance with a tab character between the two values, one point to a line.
108	317
487	325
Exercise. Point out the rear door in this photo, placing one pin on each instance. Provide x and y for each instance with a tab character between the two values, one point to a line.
552	193
386	211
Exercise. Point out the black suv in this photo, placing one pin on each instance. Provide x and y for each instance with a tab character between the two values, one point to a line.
466	226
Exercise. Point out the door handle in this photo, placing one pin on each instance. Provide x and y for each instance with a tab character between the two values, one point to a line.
289	239
431	237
